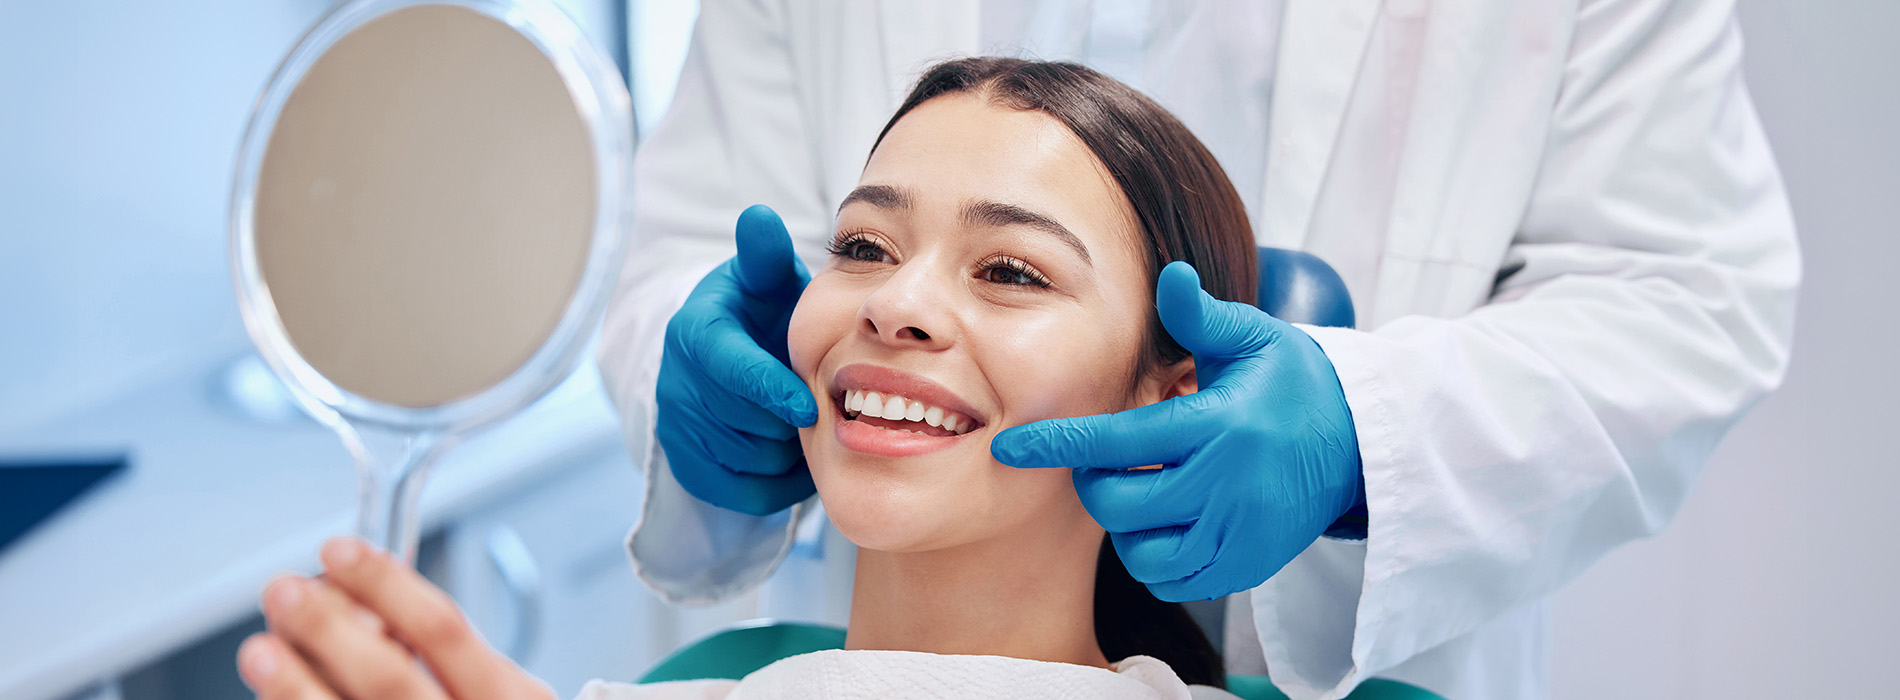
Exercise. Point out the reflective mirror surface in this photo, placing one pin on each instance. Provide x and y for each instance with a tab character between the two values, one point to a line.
425	206
427	220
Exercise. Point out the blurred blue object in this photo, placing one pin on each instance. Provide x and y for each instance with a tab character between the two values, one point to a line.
33	490
1298	287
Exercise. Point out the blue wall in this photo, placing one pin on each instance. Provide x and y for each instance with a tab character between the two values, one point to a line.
119	125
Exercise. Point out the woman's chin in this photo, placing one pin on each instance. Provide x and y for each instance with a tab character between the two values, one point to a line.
887	517
894	504
893	540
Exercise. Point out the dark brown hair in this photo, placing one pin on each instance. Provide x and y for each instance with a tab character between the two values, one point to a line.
1187	210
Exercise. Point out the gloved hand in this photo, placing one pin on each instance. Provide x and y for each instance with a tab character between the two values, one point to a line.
728	399
1258	463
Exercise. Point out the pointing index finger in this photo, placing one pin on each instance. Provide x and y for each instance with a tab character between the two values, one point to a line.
736	362
1159	433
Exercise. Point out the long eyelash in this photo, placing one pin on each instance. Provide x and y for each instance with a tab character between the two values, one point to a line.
1016	266
841	244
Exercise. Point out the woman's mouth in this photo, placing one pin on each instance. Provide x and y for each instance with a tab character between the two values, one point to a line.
892	412
887	412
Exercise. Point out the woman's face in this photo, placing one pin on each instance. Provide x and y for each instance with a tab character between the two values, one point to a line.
987	273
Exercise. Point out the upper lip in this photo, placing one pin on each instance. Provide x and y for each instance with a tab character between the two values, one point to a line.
887	381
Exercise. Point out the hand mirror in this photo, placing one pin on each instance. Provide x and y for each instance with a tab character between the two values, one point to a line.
425	226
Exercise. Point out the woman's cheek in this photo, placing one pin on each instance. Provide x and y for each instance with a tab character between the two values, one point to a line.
1074	370
798	345
804	337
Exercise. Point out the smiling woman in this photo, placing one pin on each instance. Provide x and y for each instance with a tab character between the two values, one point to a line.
995	266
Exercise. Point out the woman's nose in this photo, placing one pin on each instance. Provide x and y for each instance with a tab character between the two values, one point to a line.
909	310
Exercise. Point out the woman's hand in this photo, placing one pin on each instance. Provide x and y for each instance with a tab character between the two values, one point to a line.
351	634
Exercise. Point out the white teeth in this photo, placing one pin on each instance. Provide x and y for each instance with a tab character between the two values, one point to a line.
876	405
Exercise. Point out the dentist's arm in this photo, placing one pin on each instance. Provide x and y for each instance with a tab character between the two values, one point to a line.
738	132
1644	304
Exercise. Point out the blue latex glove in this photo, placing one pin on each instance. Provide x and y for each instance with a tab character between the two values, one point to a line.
728	400
1259	462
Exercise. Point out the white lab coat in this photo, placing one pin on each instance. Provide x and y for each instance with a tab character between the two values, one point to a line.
1561	224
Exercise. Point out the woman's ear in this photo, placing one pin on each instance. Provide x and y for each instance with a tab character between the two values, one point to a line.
1168	382
1179	380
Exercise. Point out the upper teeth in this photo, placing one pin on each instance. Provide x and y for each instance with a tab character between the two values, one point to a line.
876	405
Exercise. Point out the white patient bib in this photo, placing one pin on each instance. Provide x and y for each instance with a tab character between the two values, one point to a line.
877	675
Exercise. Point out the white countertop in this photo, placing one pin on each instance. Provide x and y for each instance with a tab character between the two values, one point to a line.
210	506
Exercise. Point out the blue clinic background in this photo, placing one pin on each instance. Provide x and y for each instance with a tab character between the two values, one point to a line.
119	127
119	335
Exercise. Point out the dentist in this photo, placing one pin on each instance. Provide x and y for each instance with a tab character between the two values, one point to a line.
1569	246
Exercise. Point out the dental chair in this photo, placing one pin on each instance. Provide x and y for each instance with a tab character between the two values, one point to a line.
1294	286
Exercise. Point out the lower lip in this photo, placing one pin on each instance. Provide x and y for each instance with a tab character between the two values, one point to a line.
870	439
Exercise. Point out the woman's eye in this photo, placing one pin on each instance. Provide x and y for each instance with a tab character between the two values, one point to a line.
865	252
1005	275
1012	272
859	248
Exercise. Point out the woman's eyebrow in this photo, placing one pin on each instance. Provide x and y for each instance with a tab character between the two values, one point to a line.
977	213
989	213
880	196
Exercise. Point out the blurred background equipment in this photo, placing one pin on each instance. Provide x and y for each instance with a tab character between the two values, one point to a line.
31	490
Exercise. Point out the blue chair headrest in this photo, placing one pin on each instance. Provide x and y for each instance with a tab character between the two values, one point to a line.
1299	287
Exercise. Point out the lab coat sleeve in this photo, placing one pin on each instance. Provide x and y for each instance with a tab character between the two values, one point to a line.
735	135
1646	302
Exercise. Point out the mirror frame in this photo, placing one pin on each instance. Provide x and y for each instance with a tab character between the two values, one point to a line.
602	101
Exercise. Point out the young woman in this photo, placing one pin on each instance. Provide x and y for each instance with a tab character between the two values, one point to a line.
997	265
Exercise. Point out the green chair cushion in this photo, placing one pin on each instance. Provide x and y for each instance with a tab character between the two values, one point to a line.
734	653
1259	688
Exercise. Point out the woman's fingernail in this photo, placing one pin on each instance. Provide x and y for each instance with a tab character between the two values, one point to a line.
286	593
258	658
342	552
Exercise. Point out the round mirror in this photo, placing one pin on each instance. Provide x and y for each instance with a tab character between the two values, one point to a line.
426	223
